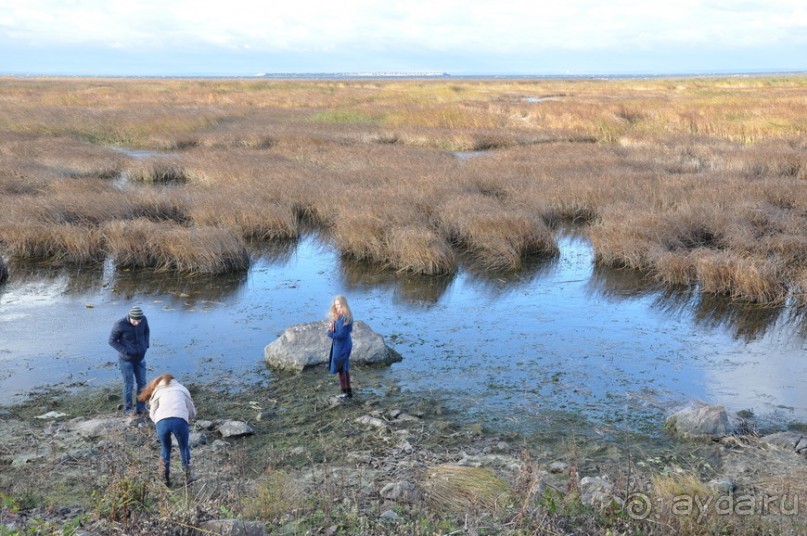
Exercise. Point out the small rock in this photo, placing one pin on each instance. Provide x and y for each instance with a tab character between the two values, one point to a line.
372	421
235	429
596	491
220	444
25	459
399	491
722	484
558	467
100	427
389	516
197	438
77	455
205	425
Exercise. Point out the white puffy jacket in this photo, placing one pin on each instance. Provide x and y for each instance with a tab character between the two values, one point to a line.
172	400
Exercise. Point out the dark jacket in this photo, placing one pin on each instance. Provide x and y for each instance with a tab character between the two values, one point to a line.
129	340
341	345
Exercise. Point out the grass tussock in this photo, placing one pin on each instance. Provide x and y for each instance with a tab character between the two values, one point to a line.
163	246
274	495
155	170
420	250
670	495
498	238
455	488
698	182
55	244
751	279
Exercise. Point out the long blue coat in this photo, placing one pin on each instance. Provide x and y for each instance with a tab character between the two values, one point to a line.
341	346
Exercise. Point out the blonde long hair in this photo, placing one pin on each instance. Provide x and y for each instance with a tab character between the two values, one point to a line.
148	390
346	312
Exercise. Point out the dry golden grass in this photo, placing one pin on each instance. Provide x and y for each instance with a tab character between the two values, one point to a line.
455	488
166	246
55	243
155	170
670	495
501	238
699	182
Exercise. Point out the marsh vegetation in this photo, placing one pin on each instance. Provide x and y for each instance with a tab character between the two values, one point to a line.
696	182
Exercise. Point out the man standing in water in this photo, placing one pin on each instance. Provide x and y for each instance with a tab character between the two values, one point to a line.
130	337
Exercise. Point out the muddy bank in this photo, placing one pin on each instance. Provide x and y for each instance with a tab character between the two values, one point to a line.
383	463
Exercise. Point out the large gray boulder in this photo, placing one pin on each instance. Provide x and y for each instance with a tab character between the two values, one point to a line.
701	420
307	345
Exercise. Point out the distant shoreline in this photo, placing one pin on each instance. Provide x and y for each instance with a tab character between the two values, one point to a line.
415	75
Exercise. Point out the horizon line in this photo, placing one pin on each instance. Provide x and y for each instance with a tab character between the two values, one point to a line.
424	74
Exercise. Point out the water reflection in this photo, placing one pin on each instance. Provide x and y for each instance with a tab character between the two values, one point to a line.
498	283
278	252
745	322
620	283
405	287
71	279
189	290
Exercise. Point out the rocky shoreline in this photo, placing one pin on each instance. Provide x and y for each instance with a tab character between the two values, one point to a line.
289	458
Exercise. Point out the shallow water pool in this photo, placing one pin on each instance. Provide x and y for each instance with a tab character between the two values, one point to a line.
559	338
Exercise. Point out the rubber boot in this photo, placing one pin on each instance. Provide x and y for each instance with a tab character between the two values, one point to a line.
165	470
349	392
188	476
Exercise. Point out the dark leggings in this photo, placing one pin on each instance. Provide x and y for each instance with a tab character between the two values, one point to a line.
344	380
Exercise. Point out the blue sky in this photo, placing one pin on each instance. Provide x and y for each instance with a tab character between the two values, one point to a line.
246	37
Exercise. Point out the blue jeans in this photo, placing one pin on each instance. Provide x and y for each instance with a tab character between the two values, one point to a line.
179	428
132	372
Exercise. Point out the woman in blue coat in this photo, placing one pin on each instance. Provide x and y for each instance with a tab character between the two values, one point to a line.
341	343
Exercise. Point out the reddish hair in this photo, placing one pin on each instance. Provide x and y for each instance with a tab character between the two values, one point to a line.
148	390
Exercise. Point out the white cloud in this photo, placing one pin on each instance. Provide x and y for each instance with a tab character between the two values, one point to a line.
431	24
198	36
